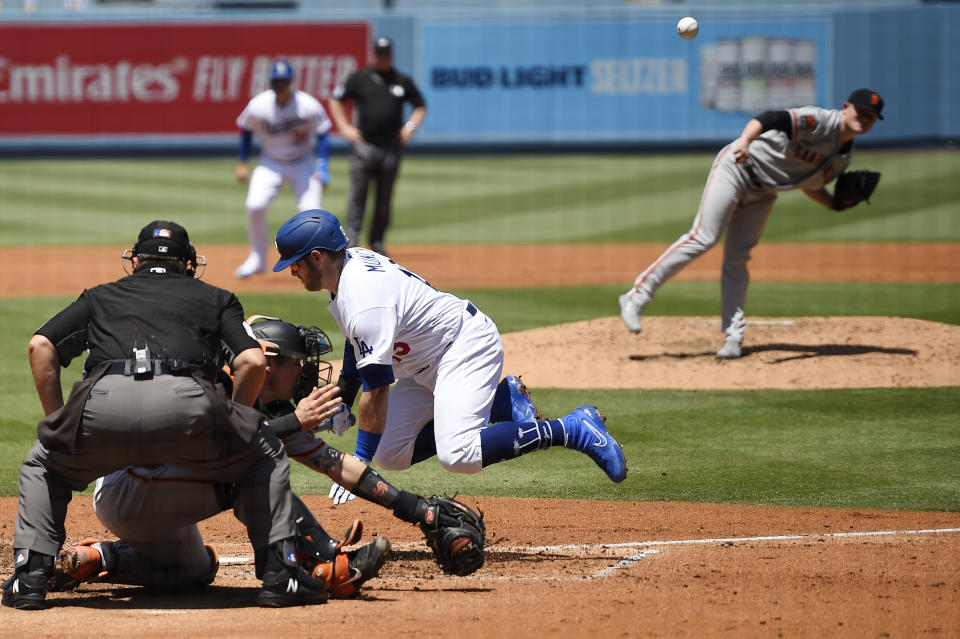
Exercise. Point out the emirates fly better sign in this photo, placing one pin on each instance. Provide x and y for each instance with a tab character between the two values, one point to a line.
95	79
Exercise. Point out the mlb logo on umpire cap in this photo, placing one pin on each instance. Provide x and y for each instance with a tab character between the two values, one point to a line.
162	237
281	70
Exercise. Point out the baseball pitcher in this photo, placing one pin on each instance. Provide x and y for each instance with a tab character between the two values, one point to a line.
804	148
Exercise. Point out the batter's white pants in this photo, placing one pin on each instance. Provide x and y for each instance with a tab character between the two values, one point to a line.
265	184
728	203
456	393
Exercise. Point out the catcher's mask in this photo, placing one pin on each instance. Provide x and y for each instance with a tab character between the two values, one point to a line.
161	241
305	343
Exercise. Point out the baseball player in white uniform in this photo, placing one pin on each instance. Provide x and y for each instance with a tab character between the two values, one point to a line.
445	355
288	124
803	148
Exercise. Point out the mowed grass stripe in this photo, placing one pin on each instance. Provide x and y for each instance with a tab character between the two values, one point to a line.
455	199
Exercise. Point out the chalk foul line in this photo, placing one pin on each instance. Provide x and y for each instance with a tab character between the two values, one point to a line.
733	540
651	550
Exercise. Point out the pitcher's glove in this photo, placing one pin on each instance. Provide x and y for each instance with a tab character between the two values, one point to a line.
853	187
454	532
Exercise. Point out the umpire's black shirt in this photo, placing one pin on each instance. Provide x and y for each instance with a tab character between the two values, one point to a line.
178	317
379	97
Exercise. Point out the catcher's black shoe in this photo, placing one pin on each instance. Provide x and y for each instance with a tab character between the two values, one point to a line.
26	589
350	570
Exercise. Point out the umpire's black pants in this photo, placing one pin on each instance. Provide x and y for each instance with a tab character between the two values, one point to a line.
380	164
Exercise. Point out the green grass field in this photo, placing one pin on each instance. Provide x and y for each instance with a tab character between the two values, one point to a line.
878	448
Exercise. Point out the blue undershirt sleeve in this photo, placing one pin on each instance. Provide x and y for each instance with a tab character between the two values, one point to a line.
323	157
246	141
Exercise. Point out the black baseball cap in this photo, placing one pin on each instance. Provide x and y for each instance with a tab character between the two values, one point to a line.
867	99
383	44
163	238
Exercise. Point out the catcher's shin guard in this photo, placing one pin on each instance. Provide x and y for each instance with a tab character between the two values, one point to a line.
350	570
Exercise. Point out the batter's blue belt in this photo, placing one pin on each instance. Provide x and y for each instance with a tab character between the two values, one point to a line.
470	308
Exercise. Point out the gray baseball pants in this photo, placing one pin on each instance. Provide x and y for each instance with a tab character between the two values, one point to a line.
379	164
729	202
167	419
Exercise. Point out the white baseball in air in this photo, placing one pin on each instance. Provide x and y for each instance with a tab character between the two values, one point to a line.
688	27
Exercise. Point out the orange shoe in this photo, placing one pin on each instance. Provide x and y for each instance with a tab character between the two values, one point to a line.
349	570
80	564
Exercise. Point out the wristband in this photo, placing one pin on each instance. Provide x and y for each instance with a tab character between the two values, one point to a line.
366	445
411	126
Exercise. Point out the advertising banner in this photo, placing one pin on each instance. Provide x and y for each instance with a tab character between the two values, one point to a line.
618	82
103	79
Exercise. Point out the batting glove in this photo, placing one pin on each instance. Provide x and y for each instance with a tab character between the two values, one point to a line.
340	495
340	422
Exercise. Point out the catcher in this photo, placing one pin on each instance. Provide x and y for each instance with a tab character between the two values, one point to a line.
161	546
803	148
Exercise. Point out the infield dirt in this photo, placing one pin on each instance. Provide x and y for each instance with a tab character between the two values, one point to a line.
554	568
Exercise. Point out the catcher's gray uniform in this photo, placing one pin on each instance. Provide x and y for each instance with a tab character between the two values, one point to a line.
738	198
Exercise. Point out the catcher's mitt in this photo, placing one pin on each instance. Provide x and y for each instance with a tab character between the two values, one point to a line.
853	187
455	533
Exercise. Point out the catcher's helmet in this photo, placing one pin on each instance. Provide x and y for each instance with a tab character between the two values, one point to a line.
281	70
306	231
305	343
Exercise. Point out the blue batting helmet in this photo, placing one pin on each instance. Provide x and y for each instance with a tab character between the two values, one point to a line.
306	231
281	70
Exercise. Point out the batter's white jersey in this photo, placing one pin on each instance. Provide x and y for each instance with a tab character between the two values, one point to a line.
286	132
392	316
447	357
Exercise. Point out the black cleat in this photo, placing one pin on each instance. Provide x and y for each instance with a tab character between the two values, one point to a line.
348	571
285	589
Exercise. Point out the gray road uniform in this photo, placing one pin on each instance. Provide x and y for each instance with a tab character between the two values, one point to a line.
739	198
154	511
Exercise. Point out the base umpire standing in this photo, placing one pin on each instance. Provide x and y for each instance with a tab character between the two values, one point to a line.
147	398
378	140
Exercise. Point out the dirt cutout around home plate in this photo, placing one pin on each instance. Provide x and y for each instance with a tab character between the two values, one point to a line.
593	569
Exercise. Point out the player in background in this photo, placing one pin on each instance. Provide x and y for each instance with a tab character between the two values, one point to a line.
379	137
445	355
803	148
293	130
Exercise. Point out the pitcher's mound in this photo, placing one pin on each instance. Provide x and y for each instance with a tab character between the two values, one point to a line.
679	352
